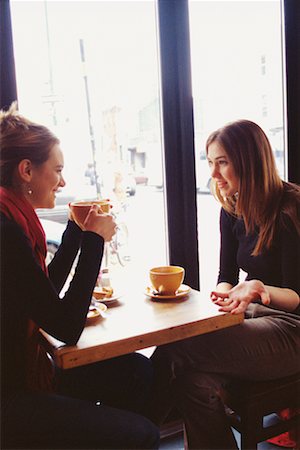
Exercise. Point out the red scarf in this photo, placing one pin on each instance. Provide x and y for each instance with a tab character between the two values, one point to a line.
18	209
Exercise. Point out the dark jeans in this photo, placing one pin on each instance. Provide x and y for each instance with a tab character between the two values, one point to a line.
194	374
98	406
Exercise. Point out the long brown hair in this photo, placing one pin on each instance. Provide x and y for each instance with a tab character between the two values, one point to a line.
21	139
262	196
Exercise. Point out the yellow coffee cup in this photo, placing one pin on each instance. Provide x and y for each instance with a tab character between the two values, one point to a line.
81	209
166	280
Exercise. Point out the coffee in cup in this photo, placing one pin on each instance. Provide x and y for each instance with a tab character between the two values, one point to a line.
81	209
166	280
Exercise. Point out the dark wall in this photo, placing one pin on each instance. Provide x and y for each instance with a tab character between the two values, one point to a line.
292	54
8	87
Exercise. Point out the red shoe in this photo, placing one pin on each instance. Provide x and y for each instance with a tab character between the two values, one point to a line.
283	440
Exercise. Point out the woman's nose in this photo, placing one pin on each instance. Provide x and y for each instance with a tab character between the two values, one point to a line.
62	181
213	172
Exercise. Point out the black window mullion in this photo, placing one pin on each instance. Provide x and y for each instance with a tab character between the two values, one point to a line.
178	131
8	87
292	59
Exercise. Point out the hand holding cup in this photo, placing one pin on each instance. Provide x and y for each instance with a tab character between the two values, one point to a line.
100	223
93	216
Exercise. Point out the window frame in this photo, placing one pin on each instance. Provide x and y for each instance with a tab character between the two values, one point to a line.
177	114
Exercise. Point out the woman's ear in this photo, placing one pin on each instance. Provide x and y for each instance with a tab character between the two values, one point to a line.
25	170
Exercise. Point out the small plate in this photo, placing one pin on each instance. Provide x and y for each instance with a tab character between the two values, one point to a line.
181	292
95	311
106	300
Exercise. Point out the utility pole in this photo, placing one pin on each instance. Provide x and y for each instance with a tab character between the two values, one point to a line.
50	98
82	55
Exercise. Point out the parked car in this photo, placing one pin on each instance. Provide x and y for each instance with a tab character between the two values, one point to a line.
141	177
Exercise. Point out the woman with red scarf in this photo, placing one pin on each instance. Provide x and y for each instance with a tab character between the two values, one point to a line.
96	406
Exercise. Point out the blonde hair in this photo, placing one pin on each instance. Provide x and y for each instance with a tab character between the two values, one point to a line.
262	195
21	139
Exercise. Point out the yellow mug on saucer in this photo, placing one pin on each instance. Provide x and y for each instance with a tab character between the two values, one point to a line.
81	209
166	280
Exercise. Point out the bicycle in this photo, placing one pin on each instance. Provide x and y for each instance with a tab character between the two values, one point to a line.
118	246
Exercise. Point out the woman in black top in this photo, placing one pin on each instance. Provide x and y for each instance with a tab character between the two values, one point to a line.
42	407
260	233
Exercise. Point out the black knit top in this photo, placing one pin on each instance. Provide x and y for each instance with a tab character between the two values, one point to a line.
27	293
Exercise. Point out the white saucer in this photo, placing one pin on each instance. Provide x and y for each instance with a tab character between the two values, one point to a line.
181	292
106	300
95	311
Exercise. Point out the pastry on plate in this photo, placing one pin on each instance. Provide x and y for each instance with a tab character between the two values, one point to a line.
101	292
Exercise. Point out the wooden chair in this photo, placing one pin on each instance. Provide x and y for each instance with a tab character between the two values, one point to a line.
250	402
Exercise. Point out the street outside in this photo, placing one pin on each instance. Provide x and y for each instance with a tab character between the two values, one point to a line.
145	220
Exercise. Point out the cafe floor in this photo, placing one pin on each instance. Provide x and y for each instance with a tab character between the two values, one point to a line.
176	443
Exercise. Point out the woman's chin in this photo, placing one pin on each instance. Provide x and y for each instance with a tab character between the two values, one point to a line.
227	192
49	205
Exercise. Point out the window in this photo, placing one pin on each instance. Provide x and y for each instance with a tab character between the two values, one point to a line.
89	71
99	91
237	74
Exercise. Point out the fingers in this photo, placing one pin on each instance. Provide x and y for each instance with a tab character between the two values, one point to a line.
219	294
108	232
97	210
227	304
265	298
219	298
93	212
241	308
100	223
101	211
237	299
235	307
220	302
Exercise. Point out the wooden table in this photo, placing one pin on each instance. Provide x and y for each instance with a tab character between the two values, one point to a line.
136	322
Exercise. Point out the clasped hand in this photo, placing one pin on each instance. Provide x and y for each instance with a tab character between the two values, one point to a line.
240	296
99	222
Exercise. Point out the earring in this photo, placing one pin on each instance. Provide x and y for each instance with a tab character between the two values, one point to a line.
29	191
